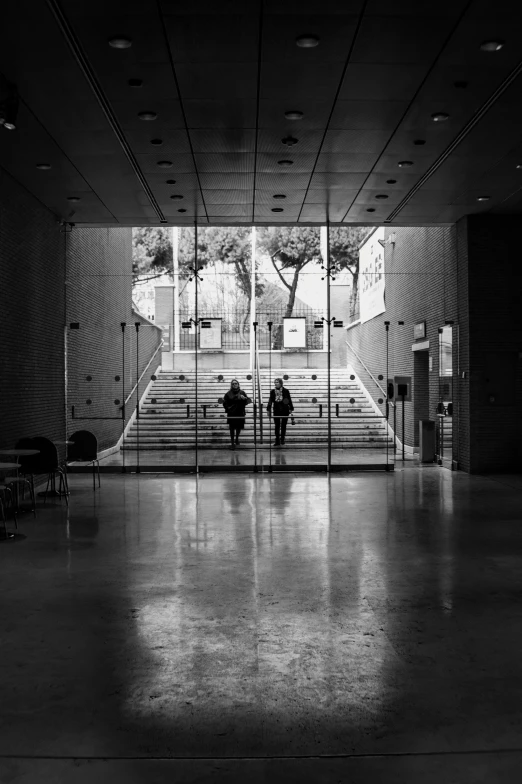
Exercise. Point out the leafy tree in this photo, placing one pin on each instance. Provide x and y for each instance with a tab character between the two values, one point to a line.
344	254
151	253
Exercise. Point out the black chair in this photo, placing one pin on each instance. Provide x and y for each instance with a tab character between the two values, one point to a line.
46	462
85	450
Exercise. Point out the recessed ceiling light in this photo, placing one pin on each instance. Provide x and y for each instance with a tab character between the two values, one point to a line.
156	142
460	84
307	41
370	209
285	163
182	210
120	42
73	198
419	142
294	115
9	126
405	164
381	196
277	209
483	198
43	166
147	115
164	164
177	196
170	182
391	182
518	166
135	83
439	117
279	196
491	46
289	141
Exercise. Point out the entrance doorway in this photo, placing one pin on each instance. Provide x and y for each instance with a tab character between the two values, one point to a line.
251	306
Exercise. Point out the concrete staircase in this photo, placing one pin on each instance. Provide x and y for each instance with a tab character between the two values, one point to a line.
167	416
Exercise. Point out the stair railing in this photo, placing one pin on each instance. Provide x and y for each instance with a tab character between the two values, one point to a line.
367	369
144	371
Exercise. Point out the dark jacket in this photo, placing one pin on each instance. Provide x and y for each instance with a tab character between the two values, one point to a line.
235	406
280	409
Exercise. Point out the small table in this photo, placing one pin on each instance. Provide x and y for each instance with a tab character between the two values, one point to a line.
20	452
4	467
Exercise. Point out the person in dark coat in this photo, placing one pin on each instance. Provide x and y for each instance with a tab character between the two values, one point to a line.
281	401
235	402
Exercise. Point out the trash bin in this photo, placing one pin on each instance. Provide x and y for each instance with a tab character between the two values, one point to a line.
426	440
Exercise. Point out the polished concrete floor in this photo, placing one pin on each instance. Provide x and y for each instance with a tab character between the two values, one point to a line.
237	627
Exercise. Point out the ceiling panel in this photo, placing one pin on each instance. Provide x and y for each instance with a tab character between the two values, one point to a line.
308	141
367	115
335	33
266	198
360	141
400	40
224	114
349	162
213	37
216	140
381	82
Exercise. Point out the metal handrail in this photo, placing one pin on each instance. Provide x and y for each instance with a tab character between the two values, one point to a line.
390	402
144	371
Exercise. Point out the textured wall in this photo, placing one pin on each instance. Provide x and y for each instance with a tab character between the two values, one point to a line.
32	311
99	297
421	285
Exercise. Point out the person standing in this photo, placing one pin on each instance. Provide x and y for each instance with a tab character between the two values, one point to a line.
281	401
235	402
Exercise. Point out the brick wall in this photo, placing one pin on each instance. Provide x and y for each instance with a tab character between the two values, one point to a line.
102	364
32	310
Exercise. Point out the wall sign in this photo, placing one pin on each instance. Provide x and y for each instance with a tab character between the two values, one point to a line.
419	330
294	332
371	276
210	333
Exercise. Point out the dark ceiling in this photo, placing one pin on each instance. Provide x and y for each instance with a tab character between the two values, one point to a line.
220	76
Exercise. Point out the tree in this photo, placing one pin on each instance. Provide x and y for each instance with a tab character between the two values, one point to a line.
344	254
151	253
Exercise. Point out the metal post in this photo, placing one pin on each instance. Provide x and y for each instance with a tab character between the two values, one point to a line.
402	427
254	376
175	260
137	325
269	324
252	297
196	326
329	465
387	326
123	325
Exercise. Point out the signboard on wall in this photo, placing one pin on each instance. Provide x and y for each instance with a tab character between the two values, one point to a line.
371	276
294	332
165	334
210	333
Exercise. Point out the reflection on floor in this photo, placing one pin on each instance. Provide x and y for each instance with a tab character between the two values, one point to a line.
270	619
247	457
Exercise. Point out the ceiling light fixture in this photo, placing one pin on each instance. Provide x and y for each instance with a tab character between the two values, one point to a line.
405	164
147	115
135	83
491	46
370	209
177	196
391	182
289	141
164	164
170	182
285	163
483	198
419	142
156	142
518	166
73	198
294	115
439	117
307	41
460	84
120	42
279	196
277	209
381	196
182	210
43	166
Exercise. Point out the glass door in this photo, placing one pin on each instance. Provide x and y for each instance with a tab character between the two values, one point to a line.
444	440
